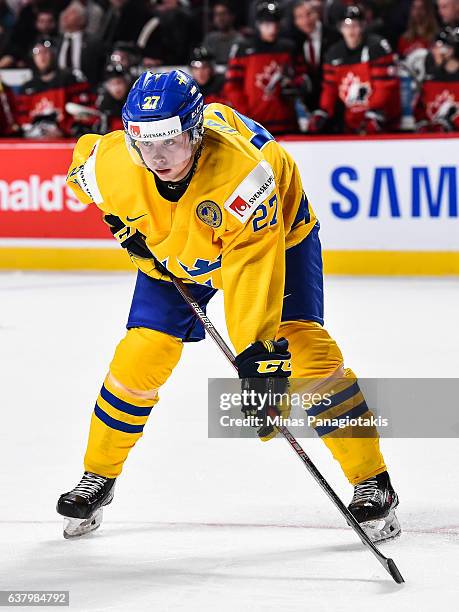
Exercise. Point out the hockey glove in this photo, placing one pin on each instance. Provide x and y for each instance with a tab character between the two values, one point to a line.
317	121
452	118
438	126
264	369
135	244
372	123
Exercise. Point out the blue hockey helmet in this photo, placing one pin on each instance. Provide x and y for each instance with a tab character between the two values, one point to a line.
163	111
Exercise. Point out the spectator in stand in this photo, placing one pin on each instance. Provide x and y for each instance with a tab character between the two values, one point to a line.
335	10
125	57
6	16
78	51
151	41
46	23
24	32
95	15
312	39
224	35
438	106
203	72
45	26
259	71
46	74
6	25
124	20
320	6
386	18
360	82
449	12
162	34
422	28
8	124
177	25
110	101
42	103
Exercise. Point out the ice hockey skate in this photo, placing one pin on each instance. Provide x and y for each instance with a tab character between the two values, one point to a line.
373	505
82	507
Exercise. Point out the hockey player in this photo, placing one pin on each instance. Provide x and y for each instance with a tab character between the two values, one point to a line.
210	83
437	109
260	72
206	194
360	82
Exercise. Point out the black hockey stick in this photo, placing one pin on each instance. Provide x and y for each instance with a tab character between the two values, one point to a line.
388	564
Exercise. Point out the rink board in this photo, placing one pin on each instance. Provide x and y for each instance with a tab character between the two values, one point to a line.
387	205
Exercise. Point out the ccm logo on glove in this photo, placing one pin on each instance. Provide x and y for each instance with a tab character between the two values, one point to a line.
274	365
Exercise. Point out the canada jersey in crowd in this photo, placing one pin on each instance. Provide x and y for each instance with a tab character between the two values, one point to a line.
438	103
361	79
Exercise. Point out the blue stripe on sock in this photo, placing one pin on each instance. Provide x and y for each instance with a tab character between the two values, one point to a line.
351	414
114	424
335	400
122	405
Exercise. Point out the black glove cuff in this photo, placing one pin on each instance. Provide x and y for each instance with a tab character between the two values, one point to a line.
269	358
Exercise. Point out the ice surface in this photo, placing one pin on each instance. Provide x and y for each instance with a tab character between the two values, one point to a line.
201	524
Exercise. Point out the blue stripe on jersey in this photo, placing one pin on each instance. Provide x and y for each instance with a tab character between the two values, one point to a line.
122	405
351	414
261	134
114	424
302	213
335	400
260	137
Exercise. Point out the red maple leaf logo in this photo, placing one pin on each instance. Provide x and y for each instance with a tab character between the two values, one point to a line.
441	105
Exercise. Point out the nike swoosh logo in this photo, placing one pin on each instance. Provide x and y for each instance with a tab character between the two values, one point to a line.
286	296
129	220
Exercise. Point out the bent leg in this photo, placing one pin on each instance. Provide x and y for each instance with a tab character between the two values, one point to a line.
143	361
316	356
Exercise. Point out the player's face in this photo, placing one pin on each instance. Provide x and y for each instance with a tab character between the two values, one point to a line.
305	17
169	159
223	19
418	11
201	72
269	30
45	23
117	87
352	31
43	58
441	52
449	10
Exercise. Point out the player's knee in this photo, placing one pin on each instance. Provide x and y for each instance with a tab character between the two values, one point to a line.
136	394
144	360
314	352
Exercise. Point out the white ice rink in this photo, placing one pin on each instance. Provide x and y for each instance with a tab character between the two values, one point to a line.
221	525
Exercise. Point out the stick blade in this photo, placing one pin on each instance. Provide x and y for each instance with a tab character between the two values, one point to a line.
394	572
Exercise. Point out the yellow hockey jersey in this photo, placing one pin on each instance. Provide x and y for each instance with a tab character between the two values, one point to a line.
242	209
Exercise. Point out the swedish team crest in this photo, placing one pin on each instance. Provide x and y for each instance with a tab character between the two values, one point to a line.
209	213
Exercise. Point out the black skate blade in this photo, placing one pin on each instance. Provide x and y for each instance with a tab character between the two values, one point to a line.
394	572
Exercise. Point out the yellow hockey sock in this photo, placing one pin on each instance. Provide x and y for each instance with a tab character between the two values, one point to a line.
317	358
143	361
